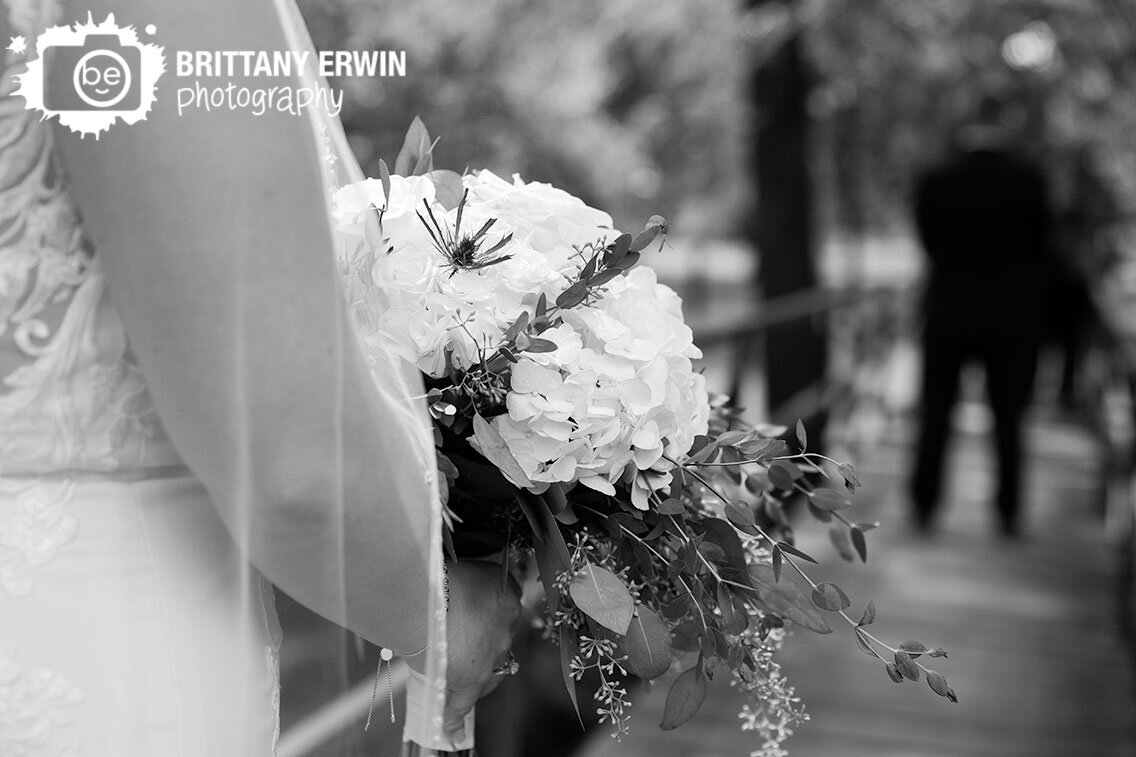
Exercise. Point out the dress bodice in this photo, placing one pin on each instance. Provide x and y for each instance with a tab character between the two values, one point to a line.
72	400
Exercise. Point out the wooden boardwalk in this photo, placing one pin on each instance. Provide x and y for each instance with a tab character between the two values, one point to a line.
1037	659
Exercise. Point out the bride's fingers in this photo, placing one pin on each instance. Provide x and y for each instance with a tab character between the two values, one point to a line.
459	703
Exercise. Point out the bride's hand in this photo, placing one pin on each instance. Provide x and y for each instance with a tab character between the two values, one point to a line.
480	624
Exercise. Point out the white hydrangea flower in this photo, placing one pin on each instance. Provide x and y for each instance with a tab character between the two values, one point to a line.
617	398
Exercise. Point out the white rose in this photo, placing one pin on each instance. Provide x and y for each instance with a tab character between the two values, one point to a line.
548	218
407	273
350	202
401	223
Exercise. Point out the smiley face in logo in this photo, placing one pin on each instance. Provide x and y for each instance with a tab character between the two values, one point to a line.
102	78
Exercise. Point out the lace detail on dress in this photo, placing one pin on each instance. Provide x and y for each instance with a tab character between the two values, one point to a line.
75	399
35	711
41	523
42	252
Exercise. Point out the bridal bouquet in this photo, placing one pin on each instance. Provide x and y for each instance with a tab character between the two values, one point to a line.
572	426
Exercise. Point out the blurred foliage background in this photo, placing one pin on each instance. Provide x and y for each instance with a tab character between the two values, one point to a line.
658	106
642	106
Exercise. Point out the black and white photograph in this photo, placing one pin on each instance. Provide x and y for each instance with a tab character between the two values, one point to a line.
592	378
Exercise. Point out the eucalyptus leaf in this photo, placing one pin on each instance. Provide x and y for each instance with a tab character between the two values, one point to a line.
760	450
734	617
572	296
789	548
604	277
864	646
869	615
937	682
629	261
555	498
736	656
829	499
644	238
712	552
677	607
860	543
385	179
517	326
914	648
723	534
733	438
740	515
603	597
704	454
783	475
841	541
647	645
787	599
657	530
721	643
536	345
686	636
416	147
822	515
618	250
905	665
848	473
567	652
829	596
685	698
448	189
493	447
589	269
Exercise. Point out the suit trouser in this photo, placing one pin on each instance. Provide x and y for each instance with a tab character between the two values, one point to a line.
1009	360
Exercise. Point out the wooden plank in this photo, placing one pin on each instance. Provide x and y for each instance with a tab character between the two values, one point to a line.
1036	657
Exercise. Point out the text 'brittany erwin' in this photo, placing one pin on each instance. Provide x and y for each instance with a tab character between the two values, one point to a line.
282	63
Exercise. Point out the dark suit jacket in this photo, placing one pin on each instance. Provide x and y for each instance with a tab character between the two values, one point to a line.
983	218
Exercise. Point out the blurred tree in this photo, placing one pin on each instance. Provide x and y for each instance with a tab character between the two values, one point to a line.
641	106
913	69
781	225
631	104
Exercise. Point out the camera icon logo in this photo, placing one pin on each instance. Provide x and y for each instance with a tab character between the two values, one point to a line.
92	75
97	75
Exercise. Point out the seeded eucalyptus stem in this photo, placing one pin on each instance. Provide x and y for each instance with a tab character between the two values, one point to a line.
856	626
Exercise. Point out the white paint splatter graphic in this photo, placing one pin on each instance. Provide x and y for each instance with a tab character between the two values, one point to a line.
91	75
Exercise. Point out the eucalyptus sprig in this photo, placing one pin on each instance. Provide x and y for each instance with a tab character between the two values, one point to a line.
736	449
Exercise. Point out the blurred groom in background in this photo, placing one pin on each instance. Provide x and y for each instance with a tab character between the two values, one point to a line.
983	219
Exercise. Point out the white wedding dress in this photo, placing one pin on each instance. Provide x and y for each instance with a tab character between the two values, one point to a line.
129	624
